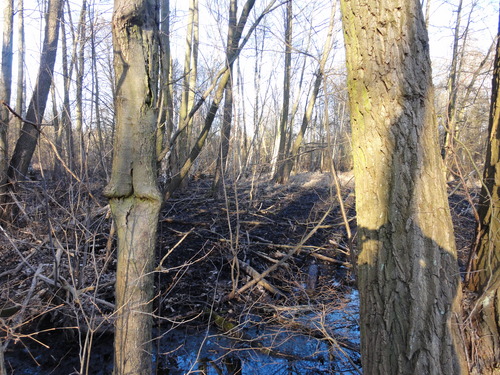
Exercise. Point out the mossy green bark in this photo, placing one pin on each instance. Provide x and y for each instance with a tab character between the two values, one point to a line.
407	268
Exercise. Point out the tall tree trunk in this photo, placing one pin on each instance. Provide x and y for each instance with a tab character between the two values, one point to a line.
166	128
220	82
80	66
486	268
450	119
132	191
281	156
306	119
20	65
26	144
220	167
408	275
5	90
96	94
66	127
189	70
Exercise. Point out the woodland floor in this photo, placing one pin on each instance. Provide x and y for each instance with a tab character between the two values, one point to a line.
58	264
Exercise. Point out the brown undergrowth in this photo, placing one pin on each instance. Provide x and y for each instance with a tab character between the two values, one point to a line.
58	263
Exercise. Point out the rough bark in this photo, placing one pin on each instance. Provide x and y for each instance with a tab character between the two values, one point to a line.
407	268
26	144
5	91
486	267
132	191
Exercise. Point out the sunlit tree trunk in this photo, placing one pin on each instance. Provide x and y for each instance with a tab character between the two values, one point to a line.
408	276
5	90
134	197
486	268
26	144
280	158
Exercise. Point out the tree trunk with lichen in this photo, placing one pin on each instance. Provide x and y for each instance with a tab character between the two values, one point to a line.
408	276
132	191
486	267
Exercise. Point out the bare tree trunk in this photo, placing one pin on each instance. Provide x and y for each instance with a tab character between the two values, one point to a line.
166	128
220	81
486	268
450	120
189	71
20	65
96	97
26	144
66	127
80	66
57	135
132	191
220	168
5	91
280	160
306	119
408	276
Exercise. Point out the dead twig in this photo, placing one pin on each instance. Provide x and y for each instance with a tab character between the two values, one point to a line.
260	280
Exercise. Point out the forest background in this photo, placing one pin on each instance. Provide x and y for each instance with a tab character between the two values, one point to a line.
72	162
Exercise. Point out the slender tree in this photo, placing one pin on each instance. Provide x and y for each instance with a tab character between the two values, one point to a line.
306	119
26	144
189	79
282	130
166	119
67	70
486	268
20	64
80	67
5	91
408	276
232	44
220	81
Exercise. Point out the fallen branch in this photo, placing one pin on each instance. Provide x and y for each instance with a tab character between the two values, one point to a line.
294	251
260	280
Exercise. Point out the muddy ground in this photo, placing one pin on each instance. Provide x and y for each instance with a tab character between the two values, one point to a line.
58	263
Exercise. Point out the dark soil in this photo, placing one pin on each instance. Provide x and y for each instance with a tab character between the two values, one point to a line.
49	325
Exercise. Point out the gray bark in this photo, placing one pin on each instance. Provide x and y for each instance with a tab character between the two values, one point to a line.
408	276
134	197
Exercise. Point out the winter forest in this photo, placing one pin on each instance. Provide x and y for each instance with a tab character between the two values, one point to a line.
250	187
